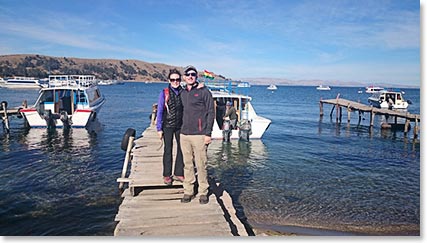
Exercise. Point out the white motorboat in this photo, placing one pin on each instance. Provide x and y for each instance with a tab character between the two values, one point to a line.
244	85
68	101
272	87
323	87
373	89
389	100
21	83
228	91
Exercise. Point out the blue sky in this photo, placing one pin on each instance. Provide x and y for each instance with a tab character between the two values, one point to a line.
353	41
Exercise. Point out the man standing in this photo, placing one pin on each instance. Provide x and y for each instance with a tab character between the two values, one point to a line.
231	114
198	119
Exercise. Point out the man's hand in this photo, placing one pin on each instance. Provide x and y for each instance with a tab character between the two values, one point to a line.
160	133
208	140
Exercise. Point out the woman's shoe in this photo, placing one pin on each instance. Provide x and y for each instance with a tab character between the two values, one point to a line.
167	180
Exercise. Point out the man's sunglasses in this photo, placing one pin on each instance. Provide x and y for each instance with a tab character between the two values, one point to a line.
191	74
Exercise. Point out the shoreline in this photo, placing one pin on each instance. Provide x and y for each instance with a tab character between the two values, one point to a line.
293	230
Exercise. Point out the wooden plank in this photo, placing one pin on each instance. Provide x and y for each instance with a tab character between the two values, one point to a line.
177	230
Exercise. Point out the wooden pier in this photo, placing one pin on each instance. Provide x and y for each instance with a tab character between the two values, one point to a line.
353	106
151	208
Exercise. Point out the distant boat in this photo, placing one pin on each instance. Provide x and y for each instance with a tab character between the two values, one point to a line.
243	85
272	87
373	89
21	83
323	87
109	82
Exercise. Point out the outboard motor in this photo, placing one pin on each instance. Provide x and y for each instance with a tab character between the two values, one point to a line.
226	130
245	130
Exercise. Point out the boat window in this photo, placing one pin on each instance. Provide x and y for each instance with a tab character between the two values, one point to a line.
81	97
48	96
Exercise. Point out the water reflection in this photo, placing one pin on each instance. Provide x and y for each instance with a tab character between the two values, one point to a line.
57	139
68	140
250	153
234	164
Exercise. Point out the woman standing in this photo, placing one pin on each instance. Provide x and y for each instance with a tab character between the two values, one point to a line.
169	121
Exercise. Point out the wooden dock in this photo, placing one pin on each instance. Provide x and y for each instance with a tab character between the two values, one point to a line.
353	106
151	208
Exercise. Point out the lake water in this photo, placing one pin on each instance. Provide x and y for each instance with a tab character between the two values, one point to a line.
306	171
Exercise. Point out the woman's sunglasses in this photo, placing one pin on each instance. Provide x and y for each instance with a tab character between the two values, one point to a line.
175	79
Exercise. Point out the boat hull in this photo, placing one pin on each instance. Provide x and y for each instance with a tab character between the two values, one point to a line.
258	126
80	119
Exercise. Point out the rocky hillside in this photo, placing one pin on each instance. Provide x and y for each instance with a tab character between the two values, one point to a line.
41	66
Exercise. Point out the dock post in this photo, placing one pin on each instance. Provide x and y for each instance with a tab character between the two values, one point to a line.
337	112
348	113
5	116
153	114
129	138
416	127
321	108
360	118
406	126
372	117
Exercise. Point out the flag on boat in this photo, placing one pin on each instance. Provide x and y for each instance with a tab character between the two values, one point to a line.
208	74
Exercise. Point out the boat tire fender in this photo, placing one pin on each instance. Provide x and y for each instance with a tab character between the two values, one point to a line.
130	132
19	115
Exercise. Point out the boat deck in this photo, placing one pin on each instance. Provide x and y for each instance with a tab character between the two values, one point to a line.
151	208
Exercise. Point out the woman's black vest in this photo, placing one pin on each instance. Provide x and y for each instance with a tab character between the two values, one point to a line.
172	114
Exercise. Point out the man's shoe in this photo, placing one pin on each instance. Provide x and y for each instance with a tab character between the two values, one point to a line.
203	199
167	180
179	178
186	198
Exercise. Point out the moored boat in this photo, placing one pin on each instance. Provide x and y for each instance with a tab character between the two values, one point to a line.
19	82
227	91
272	87
323	87
244	85
389	100
373	89
67	101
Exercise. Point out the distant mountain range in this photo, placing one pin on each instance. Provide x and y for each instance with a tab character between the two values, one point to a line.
40	66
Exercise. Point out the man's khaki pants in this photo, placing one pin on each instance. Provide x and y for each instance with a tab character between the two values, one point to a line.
194	145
